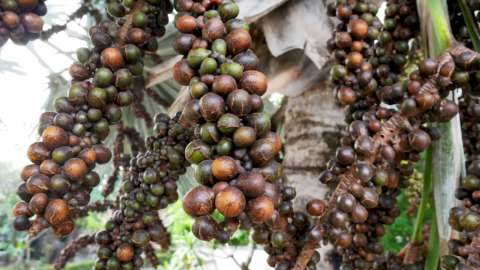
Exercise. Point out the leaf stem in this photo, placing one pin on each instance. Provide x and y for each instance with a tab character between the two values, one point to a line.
473	30
417	236
433	245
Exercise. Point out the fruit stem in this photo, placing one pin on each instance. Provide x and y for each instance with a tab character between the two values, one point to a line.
473	30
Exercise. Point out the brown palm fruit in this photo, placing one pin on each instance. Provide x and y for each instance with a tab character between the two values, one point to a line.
219	186
89	156
212	106
21	209
11	19
54	137
125	253
205	228
239	40
199	201
27	5
213	29
64	228
182	72
32	22
102	154
224	84
112	58
230	202
38	152
260	209
186	24
263	151
316	207
224	168
244	136
252	184
37	183
29	170
38	203
254	82
239	102
49	167
359	28
57	211
75	169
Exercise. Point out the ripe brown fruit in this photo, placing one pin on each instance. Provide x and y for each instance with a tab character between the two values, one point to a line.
354	60
205	228
346	95
38	203
112	58
37	183
212	106
125	253
21	209
11	19
89	156
199	201
102	154
224	84
230	202
49	167
261	209
38	152
252	184
263	151
79	72
224	168
316	207
254	82
239	102
220	186
54	137
186	24
57	211
29	170
137	36
64	228
359	28
32	22
27	4
213	29
182	72
75	169
239	40
244	136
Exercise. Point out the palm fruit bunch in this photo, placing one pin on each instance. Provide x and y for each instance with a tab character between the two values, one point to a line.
21	20
387	115
61	175
148	186
235	153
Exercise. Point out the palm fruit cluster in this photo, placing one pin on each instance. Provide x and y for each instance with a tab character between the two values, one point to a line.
387	116
148	186
61	175
21	20
235	153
